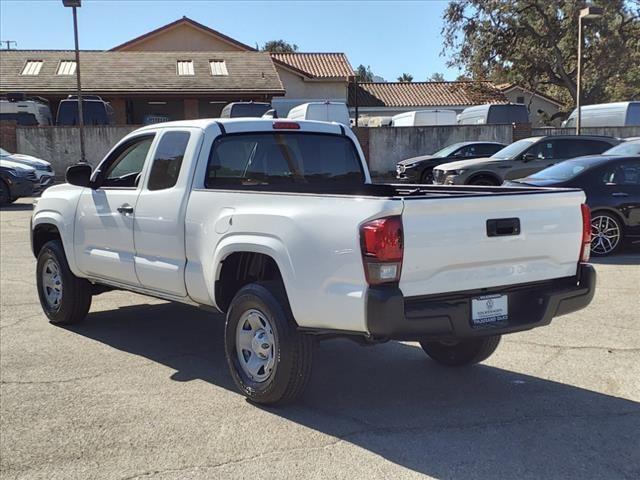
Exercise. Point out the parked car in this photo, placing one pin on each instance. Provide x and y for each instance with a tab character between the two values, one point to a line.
420	169
424	118
618	114
245	109
494	113
25	110
611	182
16	181
277	223
94	110
44	172
322	112
520	159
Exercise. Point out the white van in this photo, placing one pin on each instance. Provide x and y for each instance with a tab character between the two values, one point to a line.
424	118
506	113
619	114
379	122
321	111
25	111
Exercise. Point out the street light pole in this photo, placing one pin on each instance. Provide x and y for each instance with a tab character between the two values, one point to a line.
74	4
585	13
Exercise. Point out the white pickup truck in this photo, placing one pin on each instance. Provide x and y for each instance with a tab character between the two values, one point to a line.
277	224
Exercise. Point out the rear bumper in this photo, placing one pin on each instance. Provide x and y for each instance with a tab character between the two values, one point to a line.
390	315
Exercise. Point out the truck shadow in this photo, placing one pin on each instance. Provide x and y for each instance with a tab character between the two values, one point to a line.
480	422
628	255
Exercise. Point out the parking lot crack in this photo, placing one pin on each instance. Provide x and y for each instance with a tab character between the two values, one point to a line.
578	347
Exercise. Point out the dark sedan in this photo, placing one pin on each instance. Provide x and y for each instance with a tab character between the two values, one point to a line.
419	169
15	182
611	182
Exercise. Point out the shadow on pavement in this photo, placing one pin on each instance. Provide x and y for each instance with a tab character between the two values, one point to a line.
629	255
17	207
480	422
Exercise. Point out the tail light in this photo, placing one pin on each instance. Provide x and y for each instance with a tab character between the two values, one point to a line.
585	247
286	126
381	242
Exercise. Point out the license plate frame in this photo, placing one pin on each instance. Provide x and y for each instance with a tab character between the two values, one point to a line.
489	310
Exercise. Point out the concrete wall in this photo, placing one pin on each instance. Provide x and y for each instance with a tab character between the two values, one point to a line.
61	145
385	146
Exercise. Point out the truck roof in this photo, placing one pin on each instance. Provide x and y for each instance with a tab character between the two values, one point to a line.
259	124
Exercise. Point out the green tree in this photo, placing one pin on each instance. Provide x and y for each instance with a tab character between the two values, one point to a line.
364	74
279	46
436	77
534	43
405	78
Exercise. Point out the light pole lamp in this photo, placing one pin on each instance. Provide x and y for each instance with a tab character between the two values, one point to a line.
75	4
587	13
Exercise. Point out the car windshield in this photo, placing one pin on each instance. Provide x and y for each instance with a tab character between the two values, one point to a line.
564	170
448	150
513	150
4	153
625	148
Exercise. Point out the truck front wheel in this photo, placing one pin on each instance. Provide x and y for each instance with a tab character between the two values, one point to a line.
269	359
457	353
64	297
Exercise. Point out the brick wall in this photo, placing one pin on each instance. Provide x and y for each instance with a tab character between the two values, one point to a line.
8	135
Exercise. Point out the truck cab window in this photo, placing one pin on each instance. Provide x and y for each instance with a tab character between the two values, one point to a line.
168	160
127	163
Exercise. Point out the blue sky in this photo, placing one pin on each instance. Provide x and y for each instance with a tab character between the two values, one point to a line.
392	37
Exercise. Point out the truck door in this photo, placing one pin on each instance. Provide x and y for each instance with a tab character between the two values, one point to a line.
159	223
105	216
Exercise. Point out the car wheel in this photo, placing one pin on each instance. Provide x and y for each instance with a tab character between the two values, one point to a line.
65	298
269	359
484	180
427	177
461	352
606	233
5	194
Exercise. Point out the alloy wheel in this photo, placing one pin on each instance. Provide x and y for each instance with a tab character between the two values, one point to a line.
605	234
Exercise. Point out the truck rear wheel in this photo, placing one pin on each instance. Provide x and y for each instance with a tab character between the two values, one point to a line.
270	361
457	353
65	298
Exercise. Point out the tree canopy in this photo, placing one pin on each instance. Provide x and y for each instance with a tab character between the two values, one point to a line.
436	77
364	74
405	78
279	46
534	43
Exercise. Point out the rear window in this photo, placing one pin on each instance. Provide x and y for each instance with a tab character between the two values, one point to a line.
248	110
625	148
94	112
283	161
21	118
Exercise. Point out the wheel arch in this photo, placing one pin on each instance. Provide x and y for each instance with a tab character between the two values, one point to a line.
484	173
50	225
611	211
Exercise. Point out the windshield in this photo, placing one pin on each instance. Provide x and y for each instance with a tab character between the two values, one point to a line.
625	148
564	170
513	150
446	151
3	152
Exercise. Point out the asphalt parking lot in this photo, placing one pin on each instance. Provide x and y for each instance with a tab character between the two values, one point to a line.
141	390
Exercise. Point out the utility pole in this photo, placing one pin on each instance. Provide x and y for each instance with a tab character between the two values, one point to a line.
587	14
74	4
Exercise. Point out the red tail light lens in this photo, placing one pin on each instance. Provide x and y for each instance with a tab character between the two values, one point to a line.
585	248
381	242
286	126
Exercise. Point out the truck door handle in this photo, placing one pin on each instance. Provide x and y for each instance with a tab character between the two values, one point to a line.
501	227
125	209
619	194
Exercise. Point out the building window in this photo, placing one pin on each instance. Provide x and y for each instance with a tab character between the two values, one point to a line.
67	67
218	67
520	100
32	67
185	67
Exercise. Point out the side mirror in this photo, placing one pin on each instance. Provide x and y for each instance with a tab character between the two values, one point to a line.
79	174
527	157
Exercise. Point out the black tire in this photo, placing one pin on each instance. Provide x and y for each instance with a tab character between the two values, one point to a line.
461	352
75	300
484	180
601	247
5	194
427	177
292	350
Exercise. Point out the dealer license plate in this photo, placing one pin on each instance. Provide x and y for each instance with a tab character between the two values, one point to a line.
489	309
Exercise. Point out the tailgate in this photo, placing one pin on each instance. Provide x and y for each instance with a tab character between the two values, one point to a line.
447	246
